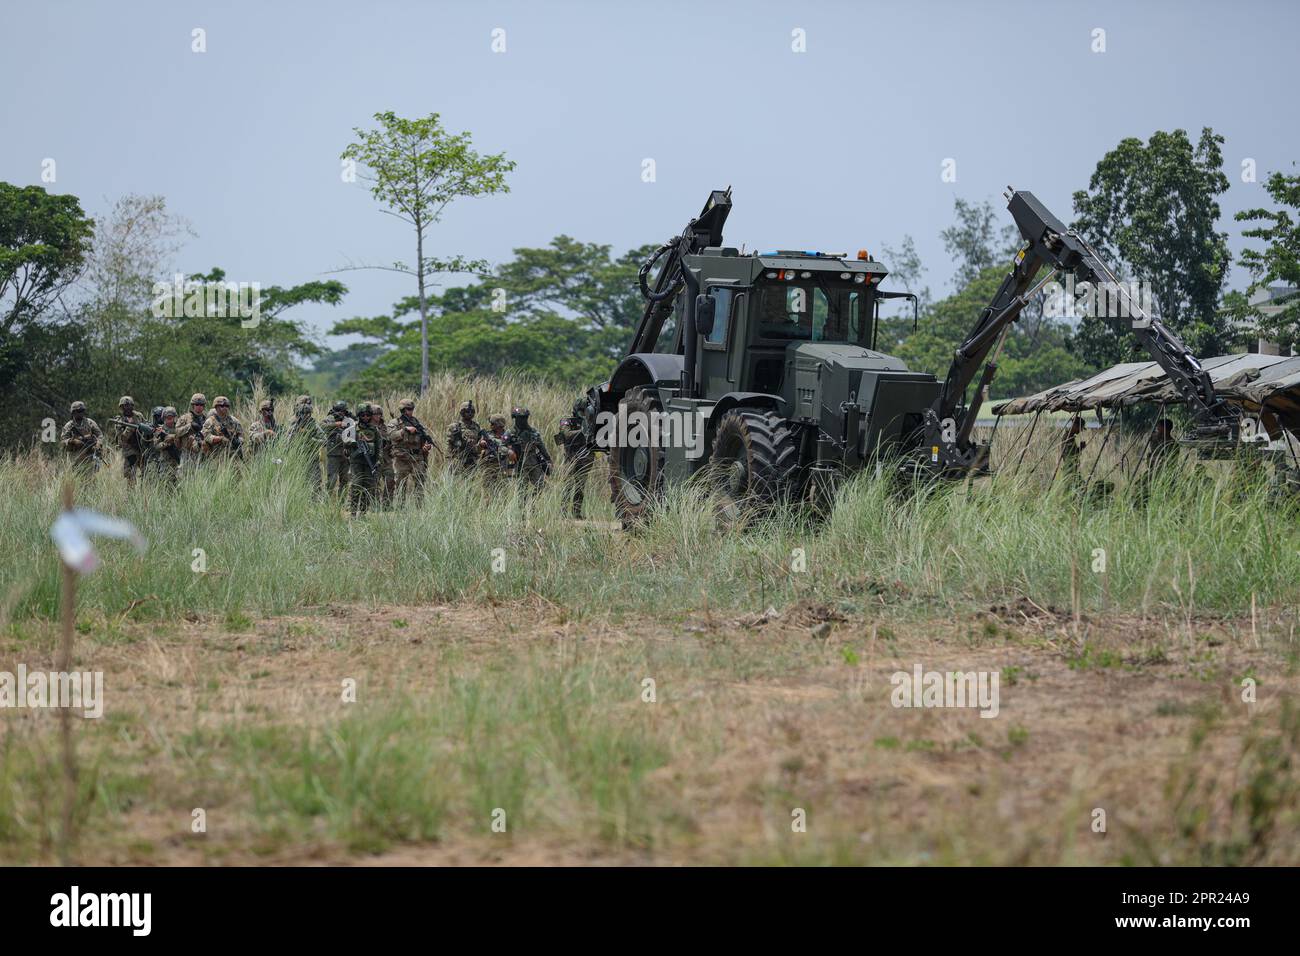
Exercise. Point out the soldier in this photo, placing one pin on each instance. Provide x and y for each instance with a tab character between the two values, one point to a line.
1071	448
82	439
579	455
264	429
534	461
128	438
387	473
410	444
339	424
366	449
1162	451
189	428
463	438
495	453
306	431
167	443
223	435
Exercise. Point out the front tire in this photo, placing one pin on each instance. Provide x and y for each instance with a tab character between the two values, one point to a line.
754	464
636	472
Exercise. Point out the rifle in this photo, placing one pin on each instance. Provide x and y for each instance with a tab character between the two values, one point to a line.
365	449
140	428
425	437
236	441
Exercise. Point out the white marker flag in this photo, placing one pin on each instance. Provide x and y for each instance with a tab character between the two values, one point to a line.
72	530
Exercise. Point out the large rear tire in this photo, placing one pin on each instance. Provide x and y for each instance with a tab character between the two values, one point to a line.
636	472
754	464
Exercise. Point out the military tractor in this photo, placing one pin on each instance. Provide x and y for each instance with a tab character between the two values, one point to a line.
761	371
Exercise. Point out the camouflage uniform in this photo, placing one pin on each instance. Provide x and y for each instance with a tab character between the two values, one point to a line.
264	429
190	429
533	461
337	465
82	439
306	431
463	438
128	439
410	452
167	447
497	458
366	451
387	473
579	455
223	436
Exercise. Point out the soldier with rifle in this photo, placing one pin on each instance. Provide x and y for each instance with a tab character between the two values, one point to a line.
463	437
307	432
133	437
189	429
81	439
533	461
167	446
339	425
579	455
223	435
410	443
495	453
365	445
264	429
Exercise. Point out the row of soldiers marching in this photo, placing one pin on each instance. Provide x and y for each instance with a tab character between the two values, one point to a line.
367	459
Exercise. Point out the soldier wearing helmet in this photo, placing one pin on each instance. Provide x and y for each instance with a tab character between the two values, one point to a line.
306	433
223	435
463	438
533	460
337	466
130	439
494	449
167	446
579	455
411	443
189	429
365	445
81	438
264	429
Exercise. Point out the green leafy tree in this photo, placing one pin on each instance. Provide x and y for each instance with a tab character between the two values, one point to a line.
44	243
416	169
1032	358
1151	209
1278	263
976	241
562	312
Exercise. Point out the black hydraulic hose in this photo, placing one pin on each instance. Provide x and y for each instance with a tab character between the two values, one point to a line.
643	273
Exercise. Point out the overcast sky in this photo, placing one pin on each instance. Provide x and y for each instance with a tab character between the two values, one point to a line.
835	148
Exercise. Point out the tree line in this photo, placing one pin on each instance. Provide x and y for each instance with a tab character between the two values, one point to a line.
79	316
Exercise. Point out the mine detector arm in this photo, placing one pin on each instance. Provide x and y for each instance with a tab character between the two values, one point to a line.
1049	244
703	231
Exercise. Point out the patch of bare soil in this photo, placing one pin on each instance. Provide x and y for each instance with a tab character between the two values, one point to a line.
765	716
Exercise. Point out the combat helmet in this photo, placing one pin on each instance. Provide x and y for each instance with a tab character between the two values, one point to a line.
467	407
77	407
126	400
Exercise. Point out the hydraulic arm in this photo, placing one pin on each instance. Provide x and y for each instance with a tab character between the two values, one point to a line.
1050	246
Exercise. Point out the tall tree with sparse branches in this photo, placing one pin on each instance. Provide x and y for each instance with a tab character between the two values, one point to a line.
416	169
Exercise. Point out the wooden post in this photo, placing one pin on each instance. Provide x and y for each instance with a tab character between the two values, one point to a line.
64	665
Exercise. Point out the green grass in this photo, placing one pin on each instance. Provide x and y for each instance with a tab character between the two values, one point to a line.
1205	543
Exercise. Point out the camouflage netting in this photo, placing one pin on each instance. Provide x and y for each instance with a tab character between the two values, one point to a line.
1248	379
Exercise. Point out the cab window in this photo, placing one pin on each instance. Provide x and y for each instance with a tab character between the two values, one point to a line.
721	316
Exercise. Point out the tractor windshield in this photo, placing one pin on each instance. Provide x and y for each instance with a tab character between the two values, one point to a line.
814	312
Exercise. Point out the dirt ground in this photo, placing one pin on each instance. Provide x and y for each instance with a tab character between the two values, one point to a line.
760	716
